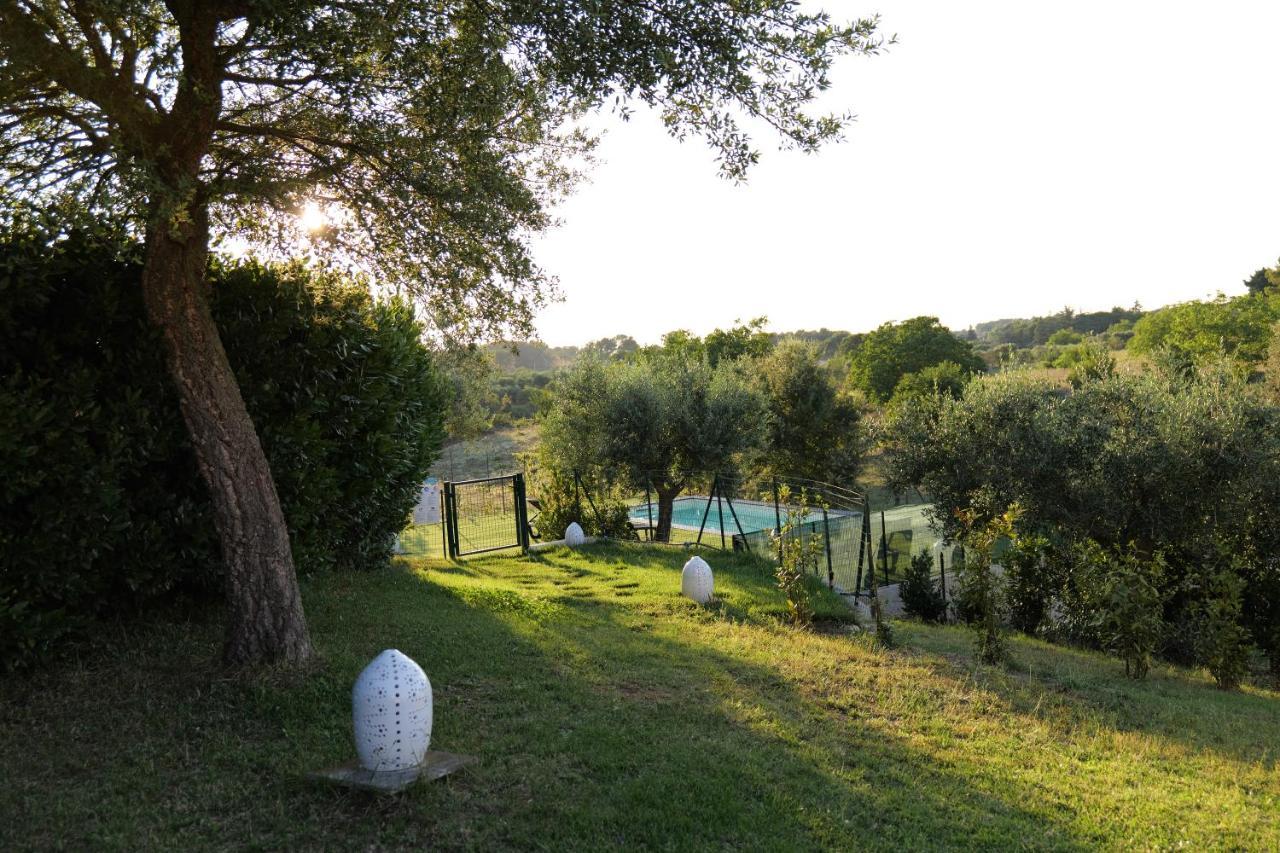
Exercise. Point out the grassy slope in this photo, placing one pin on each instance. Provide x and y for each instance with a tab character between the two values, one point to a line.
609	712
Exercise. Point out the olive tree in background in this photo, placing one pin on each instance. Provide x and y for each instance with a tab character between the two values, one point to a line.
654	420
1182	466
470	372
436	128
813	431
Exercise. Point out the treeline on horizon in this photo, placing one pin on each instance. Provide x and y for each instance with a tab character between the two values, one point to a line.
521	370
511	356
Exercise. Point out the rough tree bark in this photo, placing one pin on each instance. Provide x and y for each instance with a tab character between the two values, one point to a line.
667	493
265	618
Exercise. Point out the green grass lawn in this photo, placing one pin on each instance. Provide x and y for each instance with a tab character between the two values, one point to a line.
608	712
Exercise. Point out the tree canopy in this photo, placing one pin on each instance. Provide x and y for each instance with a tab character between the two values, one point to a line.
745	340
655	420
813	430
1034	331
437	133
895	349
1203	331
1264	279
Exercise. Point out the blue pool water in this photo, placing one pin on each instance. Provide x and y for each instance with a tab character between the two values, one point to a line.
687	513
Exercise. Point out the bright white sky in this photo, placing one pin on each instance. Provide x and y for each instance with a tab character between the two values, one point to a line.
1009	158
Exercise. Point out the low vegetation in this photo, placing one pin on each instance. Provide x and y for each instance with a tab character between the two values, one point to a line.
608	713
1178	471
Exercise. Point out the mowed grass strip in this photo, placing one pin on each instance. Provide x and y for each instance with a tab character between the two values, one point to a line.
608	712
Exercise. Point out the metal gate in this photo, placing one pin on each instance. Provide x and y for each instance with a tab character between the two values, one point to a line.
485	515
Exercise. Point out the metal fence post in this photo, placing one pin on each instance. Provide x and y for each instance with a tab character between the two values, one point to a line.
577	497
874	556
864	537
884	548
450	522
777	518
522	512
707	511
720	513
826	535
741	533
444	521
648	507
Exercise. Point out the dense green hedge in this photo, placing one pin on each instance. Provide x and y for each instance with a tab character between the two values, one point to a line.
1179	471
101	505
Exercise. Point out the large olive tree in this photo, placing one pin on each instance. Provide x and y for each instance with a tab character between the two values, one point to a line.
657	420
441	130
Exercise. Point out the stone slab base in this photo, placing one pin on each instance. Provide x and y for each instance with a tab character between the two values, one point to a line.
352	775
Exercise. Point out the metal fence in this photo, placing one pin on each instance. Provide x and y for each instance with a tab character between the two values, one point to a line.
477	516
862	544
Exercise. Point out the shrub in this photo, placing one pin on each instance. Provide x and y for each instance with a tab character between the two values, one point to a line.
1222	644
597	507
347	401
1090	362
94	515
1130	607
101	504
981	588
947	378
798	557
922	595
1031	581
1073	616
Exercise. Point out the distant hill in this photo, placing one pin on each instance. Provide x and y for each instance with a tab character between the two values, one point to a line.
512	356
1035	331
1020	332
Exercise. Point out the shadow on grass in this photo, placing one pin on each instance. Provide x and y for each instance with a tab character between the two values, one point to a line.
599	724
598	731
1071	687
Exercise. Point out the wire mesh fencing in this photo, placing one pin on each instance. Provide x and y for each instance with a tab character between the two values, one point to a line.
477	516
422	540
860	544
485	515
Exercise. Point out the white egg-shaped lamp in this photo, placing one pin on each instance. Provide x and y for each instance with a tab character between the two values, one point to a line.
696	581
391	709
573	535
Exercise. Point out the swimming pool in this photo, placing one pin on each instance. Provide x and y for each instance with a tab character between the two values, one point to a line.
686	514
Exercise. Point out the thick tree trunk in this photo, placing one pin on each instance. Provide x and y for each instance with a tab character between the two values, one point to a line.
666	506
265	622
